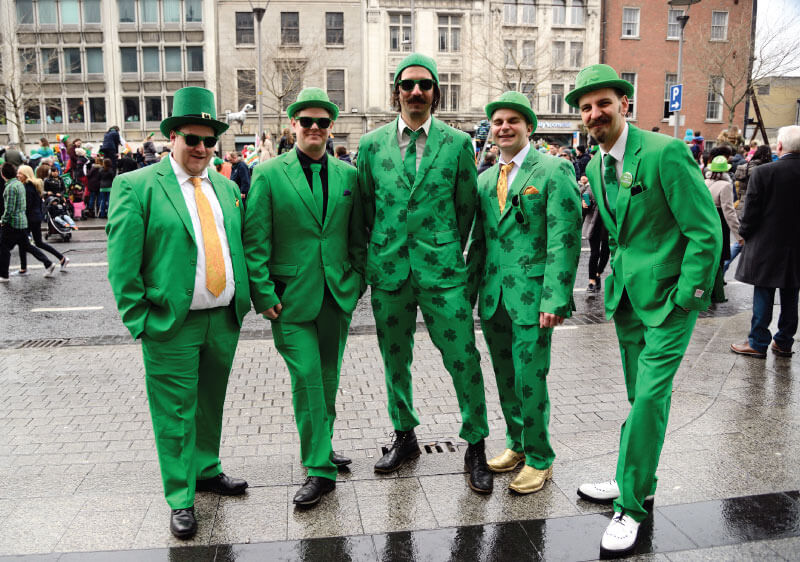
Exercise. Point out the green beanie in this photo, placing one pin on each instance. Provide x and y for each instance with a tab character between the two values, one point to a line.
417	59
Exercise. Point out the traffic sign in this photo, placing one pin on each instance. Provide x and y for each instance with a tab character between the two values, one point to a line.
675	97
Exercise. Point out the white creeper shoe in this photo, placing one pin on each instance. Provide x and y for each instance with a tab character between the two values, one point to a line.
64	264
48	272
606	492
620	536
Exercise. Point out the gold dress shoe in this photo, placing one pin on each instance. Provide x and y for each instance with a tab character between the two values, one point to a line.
530	479
506	461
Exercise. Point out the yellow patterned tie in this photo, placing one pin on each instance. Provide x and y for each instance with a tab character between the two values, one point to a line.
215	265
502	184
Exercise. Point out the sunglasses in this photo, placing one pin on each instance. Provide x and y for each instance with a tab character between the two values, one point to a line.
194	140
307	122
519	215
408	84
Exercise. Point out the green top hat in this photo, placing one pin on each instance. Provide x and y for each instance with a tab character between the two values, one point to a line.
313	97
516	101
596	77
719	164
416	59
193	106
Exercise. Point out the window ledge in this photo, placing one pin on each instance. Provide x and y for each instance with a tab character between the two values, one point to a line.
334	46
673	38
712	121
635	37
568	26
717	40
245	45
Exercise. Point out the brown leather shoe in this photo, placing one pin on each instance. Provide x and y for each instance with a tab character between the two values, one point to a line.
779	351
745	349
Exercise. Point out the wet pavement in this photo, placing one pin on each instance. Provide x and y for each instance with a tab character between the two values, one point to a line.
79	476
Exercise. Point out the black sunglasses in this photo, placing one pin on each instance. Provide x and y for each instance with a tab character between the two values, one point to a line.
408	84
194	140
519	215
307	122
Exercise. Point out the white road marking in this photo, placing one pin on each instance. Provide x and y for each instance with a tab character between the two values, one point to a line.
73	264
67	309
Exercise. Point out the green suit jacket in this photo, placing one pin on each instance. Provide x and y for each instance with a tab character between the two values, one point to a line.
418	229
152	253
665	240
532	263
291	254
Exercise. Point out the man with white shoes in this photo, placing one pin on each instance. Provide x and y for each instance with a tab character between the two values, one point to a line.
665	242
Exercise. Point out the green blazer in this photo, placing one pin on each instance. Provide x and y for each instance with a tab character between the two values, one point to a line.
532	264
291	254
418	229
665	241
152	253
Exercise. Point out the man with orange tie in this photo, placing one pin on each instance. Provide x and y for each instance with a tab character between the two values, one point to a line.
177	269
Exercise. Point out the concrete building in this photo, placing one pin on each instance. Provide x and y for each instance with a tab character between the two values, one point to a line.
779	101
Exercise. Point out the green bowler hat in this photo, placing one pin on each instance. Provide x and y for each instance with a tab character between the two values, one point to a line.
417	59
596	77
193	106
313	97
516	101
719	164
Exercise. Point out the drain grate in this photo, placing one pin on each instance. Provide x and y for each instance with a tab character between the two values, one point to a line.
38	344
431	447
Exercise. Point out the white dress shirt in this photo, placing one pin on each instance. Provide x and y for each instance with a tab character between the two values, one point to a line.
403	138
617	151
518	159
202	298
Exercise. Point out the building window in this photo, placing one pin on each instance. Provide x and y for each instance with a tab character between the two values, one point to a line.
97	110
669	81
529	89
24	12
50	61
94	60
559	12
148	11
762	89
335	87
450	88
127	11
558	54
714	103
291	81
510	12
245	87
194	59
152	107
631	77
573	110
70	14
130	110
334	28
400	32
172	59
194	11
245	33
630	22
130	62
3	118
673	25
150	60
53	111
577	12
290	28
27	61
91	11
170	99
48	15
75	110
529	53
449	34
510	52
72	61
576	54
556	98
719	26
33	113
172	11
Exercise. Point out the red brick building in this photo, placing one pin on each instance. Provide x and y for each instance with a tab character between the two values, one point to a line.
640	40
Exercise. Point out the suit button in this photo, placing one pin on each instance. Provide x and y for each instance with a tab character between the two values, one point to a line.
189	291
193	262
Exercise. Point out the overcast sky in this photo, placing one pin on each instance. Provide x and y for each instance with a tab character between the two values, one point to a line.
783	15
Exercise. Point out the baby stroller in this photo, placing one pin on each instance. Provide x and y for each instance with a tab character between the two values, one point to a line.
59	221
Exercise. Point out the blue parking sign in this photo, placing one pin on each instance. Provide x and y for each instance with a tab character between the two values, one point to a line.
675	97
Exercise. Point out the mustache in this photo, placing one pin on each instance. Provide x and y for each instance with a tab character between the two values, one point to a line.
599	121
416	99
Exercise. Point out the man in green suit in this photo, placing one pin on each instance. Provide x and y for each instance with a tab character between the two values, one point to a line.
305	275
177	269
524	254
665	244
418	183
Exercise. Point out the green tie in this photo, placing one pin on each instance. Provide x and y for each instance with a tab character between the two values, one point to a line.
610	181
410	160
316	188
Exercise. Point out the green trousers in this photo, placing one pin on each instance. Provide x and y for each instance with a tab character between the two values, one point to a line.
521	361
650	358
313	353
448	316
186	379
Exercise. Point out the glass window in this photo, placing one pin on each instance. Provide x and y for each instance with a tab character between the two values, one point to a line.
630	77
245	87
172	11
130	109
50	61
510	53
719	26
194	59
290	28
559	47
94	60
245	34
529	53
70	14
673	25
576	54
335	84
559	12
573	110
400	32
510	11
91	11
172	59
27	61
714	101
291	82
194	10
577	12
150	60
556	98
630	22
762	89
97	110
152	108
33	113
127	11
130	62
148	10
528	12
334	28
47	12
3	118
529	89
169	105
669	81
72	61
53	111
75	110
24	11
449	34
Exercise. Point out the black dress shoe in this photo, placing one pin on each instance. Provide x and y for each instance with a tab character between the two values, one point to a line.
404	448
339	460
481	478
222	484
313	489
182	523
591	288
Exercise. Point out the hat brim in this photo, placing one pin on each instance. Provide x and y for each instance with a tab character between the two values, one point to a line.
526	111
574	96
171	123
330	107
726	169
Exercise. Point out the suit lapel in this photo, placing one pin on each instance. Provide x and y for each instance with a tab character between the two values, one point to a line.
432	146
294	172
495	171
169	183
630	165
393	152
529	165
224	200
594	172
335	184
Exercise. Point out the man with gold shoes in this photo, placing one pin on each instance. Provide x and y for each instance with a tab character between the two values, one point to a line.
524	254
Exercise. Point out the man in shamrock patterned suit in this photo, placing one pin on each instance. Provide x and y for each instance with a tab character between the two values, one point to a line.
524	254
418	180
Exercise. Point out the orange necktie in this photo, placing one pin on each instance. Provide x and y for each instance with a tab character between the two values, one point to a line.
215	265
502	185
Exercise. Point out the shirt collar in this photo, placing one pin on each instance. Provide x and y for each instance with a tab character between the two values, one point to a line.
181	174
401	125
519	157
306	160
618	150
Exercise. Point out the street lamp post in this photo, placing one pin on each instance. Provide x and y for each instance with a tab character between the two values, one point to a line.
682	20
258	13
